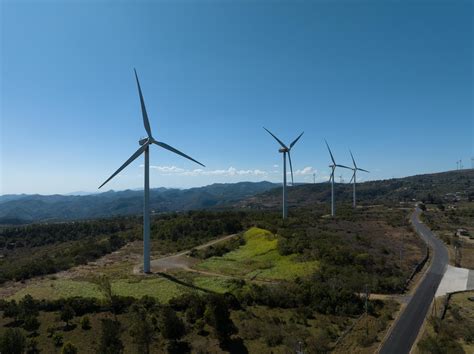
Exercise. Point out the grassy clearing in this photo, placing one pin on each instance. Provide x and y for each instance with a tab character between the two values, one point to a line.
160	288
215	284
259	259
61	288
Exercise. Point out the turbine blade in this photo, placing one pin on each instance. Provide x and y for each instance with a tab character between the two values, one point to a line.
291	168
361	169
352	178
172	149
344	167
294	141
353	161
332	175
130	160
330	153
281	143
146	122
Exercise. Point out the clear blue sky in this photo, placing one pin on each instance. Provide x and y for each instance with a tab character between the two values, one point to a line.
391	80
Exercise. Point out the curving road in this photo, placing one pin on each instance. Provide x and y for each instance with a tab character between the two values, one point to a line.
406	329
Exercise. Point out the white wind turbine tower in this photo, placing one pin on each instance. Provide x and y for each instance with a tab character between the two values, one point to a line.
354	177
285	150
331	179
144	148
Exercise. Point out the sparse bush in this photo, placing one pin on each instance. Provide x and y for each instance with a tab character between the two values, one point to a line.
69	348
85	323
32	346
58	339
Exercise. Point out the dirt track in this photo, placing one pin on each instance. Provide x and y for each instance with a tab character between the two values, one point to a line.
179	260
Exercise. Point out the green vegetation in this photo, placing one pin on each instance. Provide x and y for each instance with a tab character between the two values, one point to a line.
259	258
454	223
444	186
160	288
264	290
55	247
48	248
454	333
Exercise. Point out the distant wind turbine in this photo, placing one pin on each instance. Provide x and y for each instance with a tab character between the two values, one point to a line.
285	150
144	148
331	179
354	177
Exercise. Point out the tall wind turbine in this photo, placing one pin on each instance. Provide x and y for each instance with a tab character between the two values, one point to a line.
331	179
285	150
144	148
354	173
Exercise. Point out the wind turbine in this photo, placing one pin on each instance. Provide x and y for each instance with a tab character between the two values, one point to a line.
331	179
144	148
285	150
354	173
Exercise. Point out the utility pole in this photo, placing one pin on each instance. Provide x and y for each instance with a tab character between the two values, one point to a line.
314	177
366	310
401	255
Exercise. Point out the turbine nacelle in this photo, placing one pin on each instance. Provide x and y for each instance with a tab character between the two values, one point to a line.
285	149
143	141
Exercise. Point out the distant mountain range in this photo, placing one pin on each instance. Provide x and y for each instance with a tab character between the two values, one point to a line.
24	208
435	187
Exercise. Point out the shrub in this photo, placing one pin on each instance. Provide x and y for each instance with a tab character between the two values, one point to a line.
170	325
110	342
69	348
12	341
58	339
67	314
85	323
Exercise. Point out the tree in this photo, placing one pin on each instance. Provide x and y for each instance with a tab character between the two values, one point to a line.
58	339
69	348
110	342
28	307
31	324
12	342
32	347
85	322
67	314
142	329
12	310
217	315
170	325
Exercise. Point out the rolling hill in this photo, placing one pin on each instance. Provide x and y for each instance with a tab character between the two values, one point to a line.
17	209
435	187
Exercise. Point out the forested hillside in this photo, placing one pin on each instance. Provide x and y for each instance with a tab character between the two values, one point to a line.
18	209
447	186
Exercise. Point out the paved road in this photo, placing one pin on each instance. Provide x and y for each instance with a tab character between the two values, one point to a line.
406	329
